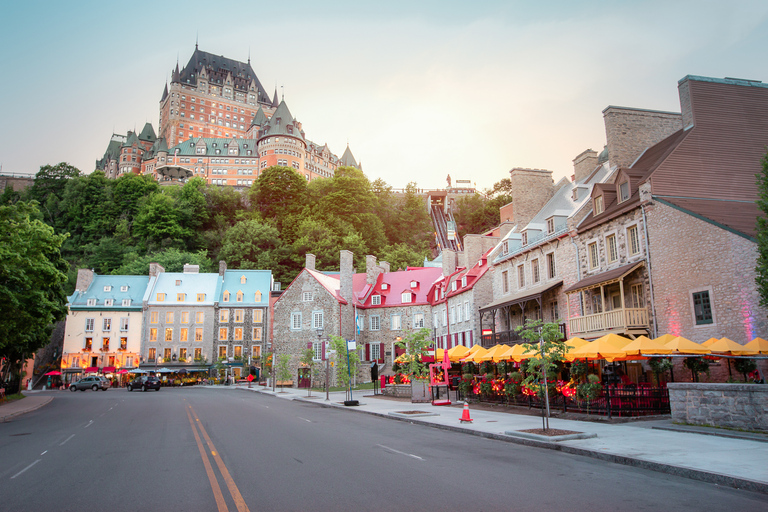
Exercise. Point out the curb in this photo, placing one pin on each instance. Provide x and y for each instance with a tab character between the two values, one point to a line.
4	419
670	469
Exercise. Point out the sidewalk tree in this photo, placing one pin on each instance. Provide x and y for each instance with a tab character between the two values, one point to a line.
762	233
416	344
32	274
344	371
283	371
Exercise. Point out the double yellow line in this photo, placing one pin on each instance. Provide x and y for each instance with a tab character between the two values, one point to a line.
217	494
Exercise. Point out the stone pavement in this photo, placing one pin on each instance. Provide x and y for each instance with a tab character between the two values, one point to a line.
734	459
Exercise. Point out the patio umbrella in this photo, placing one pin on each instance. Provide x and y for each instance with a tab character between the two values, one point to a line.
492	353
664	338
122	371
573	344
53	373
642	345
682	345
457	352
474	356
474	348
758	344
731	348
518	353
709	342
607	347
137	370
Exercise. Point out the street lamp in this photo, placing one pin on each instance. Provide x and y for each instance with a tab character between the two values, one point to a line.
320	340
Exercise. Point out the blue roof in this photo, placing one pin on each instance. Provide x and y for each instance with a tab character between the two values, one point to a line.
174	283
115	288
255	281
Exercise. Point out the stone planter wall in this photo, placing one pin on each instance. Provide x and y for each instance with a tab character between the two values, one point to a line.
742	406
418	391
398	390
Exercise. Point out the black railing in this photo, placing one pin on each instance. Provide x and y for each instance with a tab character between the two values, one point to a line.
508	337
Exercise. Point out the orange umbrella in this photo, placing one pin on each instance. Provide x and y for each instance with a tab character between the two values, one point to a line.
474	348
518	353
644	345
728	347
492	352
758	344
607	347
682	345
709	342
474	356
664	338
456	353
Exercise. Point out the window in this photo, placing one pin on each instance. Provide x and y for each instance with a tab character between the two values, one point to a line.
153	334
257	333
535	270
123	324
458	313
169	317
452	315
105	344
375	325
239	296
592	250
223	333
160	297
106	324
198	354
466	311
258	315
109	302
168	334
624	191
613	254
638	299
551	269
182	354
418	320
550	226
226	296
89	322
200	297
151	355
239	316
521	276
199	317
184	334
238	334
525	238
505	247
296	321
306	296
554	314
123	343
185	317
107	288
702	308
198	334
317	319
375	351
222	351
256	351
88	344
435	320
360	323
180	297
126	303
376	300
317	351
91	302
124	288
224	315
505	282
634	241
257	296
242	278
396	322
598	205
407	297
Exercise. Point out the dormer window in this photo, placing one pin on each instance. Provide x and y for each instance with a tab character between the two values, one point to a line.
550	226
505	247
407	297
91	302
242	279
414	284
376	300
108	288
108	302
453	286
384	286
599	205
257	296
178	282
464	281
123	288
525	238
126	302
226	296
623	191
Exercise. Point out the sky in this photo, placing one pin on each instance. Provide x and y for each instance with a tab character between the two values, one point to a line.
418	89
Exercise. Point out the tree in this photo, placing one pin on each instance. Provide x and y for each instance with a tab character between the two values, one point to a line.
193	214
279	193
250	244
283	372
128	193
400	256
172	260
416	344
346	362
546	340
762	234
48	188
158	223
32	273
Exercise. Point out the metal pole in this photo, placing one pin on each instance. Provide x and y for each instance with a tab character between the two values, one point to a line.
349	376
326	379
546	387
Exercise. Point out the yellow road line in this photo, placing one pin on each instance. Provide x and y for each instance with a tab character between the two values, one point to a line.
217	494
233	490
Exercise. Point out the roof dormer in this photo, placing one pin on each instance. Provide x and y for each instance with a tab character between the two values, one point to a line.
623	187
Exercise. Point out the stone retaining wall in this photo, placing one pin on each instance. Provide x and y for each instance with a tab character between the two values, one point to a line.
398	390
743	406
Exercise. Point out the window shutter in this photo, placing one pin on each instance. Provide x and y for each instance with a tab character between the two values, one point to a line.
367	351
309	345
381	353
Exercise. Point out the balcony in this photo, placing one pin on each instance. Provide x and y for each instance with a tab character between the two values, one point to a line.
627	320
508	337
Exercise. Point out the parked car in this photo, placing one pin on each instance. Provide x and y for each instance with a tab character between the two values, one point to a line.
144	383
94	382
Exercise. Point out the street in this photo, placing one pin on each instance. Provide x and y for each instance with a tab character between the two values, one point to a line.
222	449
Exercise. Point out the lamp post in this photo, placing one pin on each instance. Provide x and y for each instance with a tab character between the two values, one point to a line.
323	352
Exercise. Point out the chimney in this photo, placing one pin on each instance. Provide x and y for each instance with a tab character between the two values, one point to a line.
584	164
530	191
384	266
449	262
222	267
155	269
630	131
372	270
309	261
191	269
347	270
475	246
684	91
84	279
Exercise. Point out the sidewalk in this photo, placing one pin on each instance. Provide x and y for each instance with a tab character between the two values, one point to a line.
27	404
732	459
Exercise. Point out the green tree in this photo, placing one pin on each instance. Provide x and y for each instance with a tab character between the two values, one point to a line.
249	244
762	234
416	344
129	192
86	211
400	256
32	273
158	223
344	370
283	372
475	214
193	212
279	193
172	260
48	188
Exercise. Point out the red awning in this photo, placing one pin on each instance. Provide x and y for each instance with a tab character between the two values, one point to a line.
108	369
91	369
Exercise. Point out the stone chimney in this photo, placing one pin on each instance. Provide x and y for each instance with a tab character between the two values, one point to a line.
686	106
531	189
84	279
630	131
449	262
191	269
506	213
309	261
505	228
155	269
584	164
371	269
475	246
346	271
384	266
222	267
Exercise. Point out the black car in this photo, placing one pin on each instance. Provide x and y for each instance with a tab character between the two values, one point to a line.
144	383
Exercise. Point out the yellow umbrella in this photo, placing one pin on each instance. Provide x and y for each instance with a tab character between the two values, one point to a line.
682	345
492	353
644	345
474	349
499	352
518	353
457	352
664	338
607	347
575	343
709	342
731	348
474	356
758	344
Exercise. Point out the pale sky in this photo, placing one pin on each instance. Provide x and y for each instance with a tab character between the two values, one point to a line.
419	89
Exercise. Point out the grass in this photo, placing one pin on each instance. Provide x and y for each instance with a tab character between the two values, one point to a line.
12	398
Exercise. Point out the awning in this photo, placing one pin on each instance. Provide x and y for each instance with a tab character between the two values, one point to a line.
72	370
92	369
108	369
603	278
524	296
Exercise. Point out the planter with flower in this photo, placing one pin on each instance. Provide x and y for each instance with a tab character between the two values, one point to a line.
416	344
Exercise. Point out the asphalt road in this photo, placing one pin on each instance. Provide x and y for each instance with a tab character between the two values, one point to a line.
210	449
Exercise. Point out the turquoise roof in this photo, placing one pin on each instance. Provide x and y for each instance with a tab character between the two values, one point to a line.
173	283
255	280
117	289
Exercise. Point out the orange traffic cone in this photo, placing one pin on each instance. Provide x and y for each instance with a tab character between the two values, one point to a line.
465	414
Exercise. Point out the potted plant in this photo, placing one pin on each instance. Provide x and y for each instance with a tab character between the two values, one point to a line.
416	344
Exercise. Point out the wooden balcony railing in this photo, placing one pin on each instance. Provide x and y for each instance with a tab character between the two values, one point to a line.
627	318
507	337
